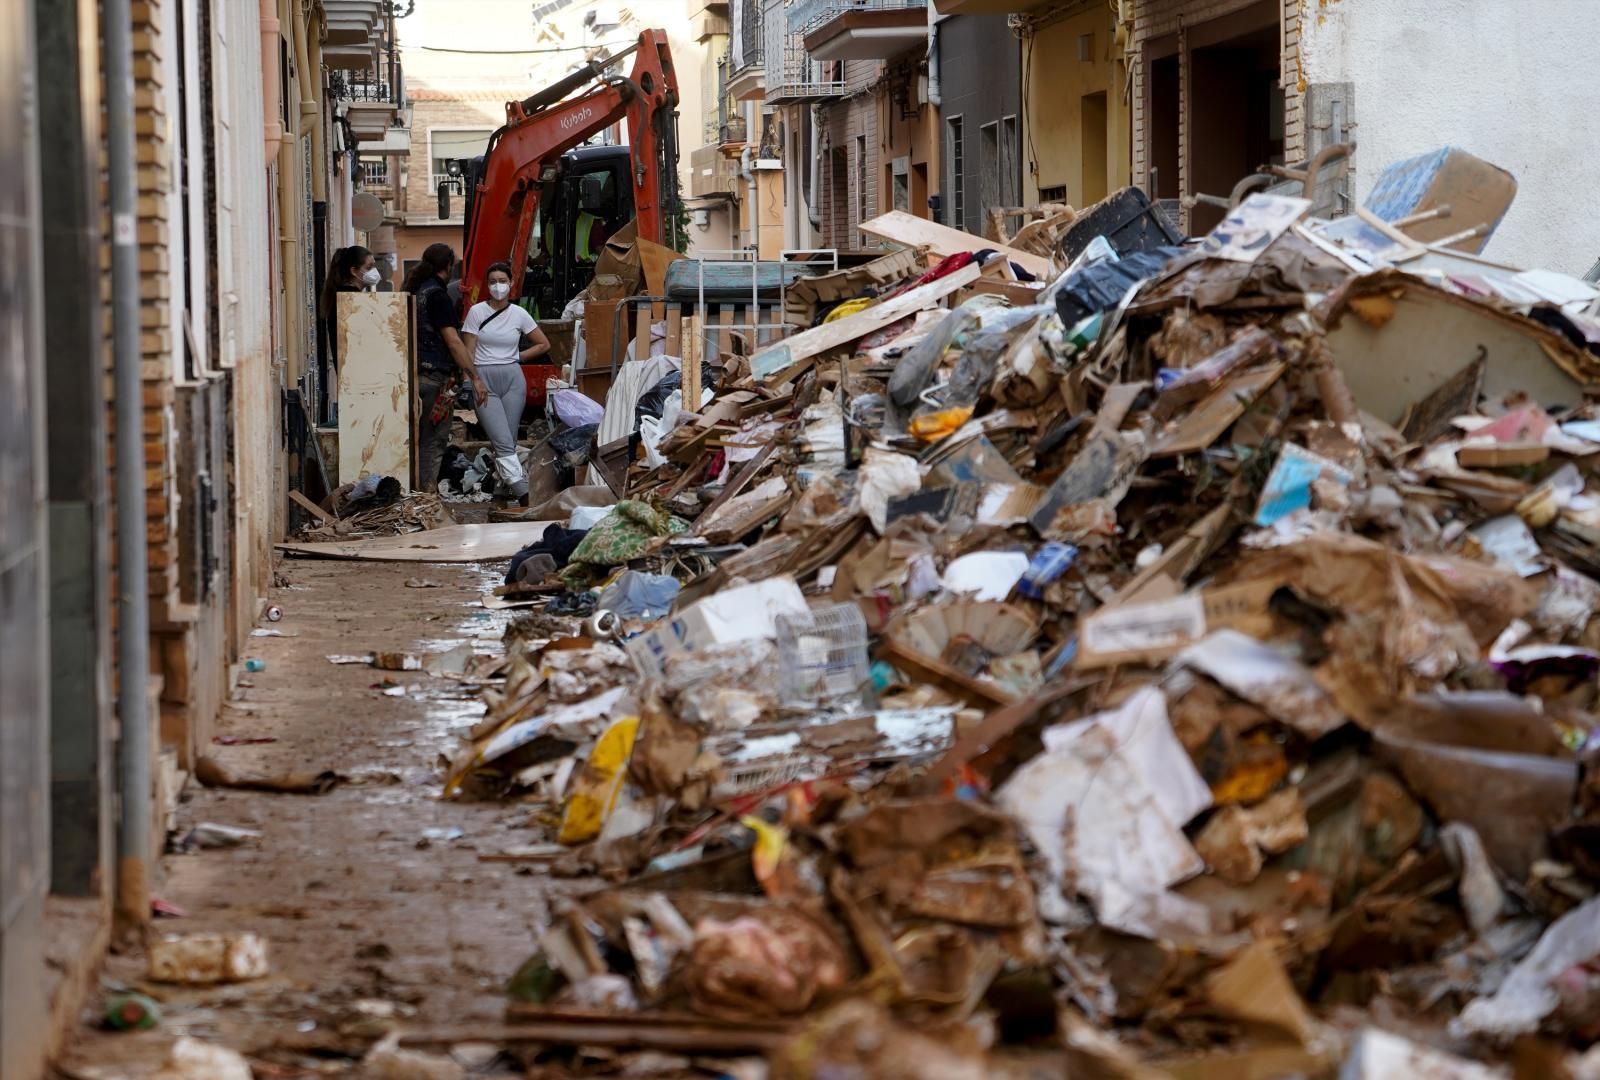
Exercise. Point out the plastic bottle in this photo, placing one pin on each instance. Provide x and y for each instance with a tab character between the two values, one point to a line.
132	1012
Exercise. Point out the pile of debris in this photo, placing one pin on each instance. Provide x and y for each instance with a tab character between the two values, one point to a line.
370	507
1182	667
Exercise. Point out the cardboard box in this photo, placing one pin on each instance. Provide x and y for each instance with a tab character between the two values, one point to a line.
747	613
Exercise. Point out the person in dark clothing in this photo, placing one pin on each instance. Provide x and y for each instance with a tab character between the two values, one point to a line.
350	270
441	354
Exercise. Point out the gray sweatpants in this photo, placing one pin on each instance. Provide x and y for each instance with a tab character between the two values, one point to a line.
500	416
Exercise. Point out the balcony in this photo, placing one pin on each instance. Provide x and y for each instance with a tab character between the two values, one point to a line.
352	38
988	7
746	71
862	29
372	104
792	76
712	173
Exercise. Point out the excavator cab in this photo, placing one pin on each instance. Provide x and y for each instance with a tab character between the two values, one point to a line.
591	199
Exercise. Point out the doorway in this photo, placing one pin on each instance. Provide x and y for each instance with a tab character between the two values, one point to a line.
1236	113
1092	119
1162	138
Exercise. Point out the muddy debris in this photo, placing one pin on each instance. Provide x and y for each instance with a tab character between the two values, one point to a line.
1184	666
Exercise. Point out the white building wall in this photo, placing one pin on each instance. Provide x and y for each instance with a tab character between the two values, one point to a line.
1511	82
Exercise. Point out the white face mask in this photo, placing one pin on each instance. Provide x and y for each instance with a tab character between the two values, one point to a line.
500	290
370	276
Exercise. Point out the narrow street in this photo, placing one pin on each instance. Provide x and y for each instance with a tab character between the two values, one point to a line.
353	898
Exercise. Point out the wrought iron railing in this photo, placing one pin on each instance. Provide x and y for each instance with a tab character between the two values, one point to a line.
807	15
746	43
791	74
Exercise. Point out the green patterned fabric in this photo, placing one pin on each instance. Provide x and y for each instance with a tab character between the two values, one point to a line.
623	535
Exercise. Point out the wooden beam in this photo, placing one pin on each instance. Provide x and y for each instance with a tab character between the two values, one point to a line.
790	357
943	241
984	695
310	507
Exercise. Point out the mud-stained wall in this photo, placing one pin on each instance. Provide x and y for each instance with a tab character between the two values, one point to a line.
374	386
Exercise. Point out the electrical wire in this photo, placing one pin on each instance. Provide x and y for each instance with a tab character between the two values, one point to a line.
520	52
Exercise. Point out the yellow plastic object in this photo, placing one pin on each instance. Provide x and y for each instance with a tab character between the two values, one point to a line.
850	307
935	426
595	789
767	854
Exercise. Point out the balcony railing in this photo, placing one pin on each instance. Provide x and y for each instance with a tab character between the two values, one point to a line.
746	43
371	91
809	15
375	173
791	74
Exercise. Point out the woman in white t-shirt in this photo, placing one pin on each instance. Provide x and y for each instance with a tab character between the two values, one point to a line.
493	335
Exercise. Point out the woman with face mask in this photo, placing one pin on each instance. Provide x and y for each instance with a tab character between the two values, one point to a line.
494	331
351	270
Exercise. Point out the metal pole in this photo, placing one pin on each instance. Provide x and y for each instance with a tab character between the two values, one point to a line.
133	614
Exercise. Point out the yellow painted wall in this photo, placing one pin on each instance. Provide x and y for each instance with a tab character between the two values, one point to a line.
1055	83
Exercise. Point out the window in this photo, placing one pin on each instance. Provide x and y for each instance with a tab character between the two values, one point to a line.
899	184
446	145
861	180
990	193
1057	194
1010	188
957	214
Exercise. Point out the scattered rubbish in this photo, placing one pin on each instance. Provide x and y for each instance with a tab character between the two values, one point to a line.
132	1012
253	665
273	613
213	773
1171	665
194	1059
422	583
201	959
211	835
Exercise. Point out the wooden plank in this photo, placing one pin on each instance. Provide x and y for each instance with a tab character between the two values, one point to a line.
725	333
943	241
691	368
788	358
310	507
374	386
931	669
641	331
674	317
734	486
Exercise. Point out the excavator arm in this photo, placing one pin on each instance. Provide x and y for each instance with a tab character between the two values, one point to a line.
523	155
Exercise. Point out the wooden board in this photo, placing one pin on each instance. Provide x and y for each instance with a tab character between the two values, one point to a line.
374	333
674	318
787	358
310	507
725	331
453	543
691	367
943	241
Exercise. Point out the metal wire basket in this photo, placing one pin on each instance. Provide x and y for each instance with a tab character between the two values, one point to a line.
822	655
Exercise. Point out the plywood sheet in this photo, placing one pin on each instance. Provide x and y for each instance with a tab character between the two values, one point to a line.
453	543
374	333
941	240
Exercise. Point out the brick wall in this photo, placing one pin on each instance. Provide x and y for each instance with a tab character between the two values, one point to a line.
432	109
153	71
1157	19
850	127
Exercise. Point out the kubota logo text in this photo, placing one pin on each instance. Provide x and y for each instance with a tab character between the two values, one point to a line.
573	119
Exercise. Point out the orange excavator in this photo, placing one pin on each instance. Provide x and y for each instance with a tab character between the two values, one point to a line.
540	200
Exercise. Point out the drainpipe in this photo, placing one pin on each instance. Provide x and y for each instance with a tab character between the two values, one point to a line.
308	62
935	89
271	99
813	208
133	611
749	177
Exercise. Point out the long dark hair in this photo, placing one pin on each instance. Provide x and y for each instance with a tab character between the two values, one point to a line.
345	260
436	259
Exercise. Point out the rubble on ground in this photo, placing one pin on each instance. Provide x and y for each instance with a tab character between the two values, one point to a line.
1185	667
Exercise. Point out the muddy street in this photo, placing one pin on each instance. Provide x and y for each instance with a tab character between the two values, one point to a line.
373	891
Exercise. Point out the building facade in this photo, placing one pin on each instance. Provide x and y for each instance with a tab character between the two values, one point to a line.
241	145
981	109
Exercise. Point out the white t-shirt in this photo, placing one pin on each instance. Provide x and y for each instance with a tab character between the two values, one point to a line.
498	341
